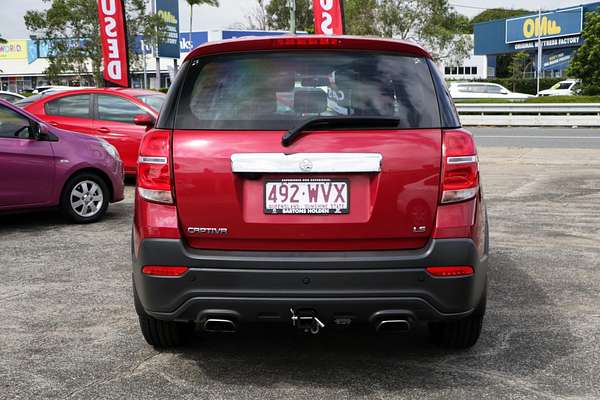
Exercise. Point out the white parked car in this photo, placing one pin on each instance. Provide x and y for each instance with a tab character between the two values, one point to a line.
479	90
10	96
568	87
52	88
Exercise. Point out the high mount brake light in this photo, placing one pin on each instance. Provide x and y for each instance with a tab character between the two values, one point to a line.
306	42
154	171
450	271
460	176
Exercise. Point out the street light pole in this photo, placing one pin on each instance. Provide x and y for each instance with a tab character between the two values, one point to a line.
292	16
153	2
145	85
539	46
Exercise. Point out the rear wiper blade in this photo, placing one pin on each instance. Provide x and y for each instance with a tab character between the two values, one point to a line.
343	122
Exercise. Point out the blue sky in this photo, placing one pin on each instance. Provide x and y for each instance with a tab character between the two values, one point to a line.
235	11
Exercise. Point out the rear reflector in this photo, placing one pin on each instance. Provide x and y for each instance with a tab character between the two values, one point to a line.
464	270
154	270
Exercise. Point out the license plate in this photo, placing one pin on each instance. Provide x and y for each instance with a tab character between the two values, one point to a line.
307	196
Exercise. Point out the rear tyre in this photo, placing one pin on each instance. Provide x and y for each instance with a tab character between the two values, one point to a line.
85	198
161	334
461	333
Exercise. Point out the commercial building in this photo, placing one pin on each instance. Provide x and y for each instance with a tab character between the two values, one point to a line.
23	62
472	68
559	30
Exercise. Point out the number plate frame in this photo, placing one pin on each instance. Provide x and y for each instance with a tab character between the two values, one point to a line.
270	211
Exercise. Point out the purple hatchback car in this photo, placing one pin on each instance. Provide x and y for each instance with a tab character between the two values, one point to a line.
43	167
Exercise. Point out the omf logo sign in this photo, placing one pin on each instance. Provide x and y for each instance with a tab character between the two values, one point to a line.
329	19
548	25
111	15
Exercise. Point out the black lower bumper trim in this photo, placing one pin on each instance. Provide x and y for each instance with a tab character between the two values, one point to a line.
255	286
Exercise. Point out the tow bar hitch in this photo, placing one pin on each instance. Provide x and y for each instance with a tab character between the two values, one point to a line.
307	321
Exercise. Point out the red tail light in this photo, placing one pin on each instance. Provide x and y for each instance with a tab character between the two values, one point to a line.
154	270
154	171
460	179
444	272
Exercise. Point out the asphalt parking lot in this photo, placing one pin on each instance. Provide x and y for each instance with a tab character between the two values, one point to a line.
69	329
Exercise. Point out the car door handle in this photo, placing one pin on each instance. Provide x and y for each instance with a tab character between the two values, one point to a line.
53	123
103	130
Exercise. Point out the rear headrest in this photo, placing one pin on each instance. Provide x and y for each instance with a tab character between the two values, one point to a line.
261	102
284	81
310	101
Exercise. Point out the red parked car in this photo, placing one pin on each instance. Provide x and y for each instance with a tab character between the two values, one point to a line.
120	116
315	181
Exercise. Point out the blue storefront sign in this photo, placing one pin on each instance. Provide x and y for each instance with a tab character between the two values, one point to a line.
37	49
198	38
239	34
557	60
559	29
554	24
168	10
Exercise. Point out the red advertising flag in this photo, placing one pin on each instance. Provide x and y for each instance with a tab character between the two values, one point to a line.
113	33
329	17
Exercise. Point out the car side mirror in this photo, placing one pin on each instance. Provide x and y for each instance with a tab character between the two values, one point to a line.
41	132
504	91
35	130
144	120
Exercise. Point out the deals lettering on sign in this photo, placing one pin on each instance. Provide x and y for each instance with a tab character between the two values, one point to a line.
111	15
329	17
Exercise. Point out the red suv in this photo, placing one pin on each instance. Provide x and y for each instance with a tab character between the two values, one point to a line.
314	181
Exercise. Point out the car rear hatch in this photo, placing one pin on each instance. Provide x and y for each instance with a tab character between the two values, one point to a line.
348	186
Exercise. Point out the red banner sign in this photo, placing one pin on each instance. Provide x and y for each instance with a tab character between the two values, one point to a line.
111	14
329	17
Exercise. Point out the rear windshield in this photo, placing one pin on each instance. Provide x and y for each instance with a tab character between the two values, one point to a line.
276	90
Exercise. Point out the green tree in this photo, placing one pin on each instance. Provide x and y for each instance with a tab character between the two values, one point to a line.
499	13
517	66
361	17
278	15
431	23
192	3
2	40
73	29
502	61
257	18
586	63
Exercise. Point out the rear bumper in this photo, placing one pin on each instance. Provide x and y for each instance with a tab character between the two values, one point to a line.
263	286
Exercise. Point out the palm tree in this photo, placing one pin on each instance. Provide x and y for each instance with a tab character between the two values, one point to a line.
192	3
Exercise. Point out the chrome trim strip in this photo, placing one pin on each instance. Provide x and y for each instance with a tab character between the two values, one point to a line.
152	160
462	160
306	162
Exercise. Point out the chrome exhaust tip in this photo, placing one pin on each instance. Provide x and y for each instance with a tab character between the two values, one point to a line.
393	325
215	325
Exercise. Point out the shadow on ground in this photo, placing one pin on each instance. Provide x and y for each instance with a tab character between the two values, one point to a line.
512	348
